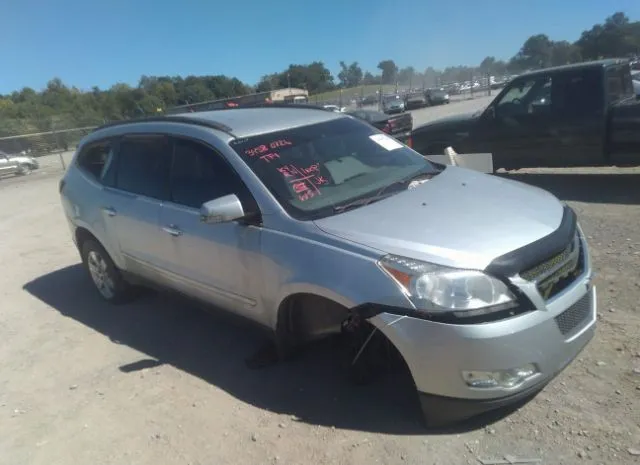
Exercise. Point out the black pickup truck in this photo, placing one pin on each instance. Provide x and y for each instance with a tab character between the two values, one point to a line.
399	126
585	114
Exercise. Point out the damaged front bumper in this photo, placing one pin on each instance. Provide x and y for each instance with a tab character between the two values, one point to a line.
464	370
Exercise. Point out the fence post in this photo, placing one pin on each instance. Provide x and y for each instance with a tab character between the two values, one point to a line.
59	146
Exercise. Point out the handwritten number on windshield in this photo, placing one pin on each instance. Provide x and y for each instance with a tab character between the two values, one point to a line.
262	149
305	182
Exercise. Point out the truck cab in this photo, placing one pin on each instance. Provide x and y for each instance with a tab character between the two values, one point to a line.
576	115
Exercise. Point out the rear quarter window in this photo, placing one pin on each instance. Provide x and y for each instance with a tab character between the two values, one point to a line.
95	159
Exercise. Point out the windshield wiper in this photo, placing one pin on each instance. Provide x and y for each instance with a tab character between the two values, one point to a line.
380	194
358	203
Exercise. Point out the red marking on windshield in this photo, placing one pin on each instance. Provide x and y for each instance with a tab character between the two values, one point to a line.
280	143
304	181
262	149
259	150
270	156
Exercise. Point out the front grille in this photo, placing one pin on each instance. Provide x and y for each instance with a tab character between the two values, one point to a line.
575	316
558	272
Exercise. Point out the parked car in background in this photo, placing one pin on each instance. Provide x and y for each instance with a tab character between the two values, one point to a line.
585	114
312	223
17	164
415	100
392	104
399	126
335	108
635	77
436	97
368	100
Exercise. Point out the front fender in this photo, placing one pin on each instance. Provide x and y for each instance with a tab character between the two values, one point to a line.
294	265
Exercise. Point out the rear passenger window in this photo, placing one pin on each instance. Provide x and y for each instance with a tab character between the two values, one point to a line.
199	174
143	166
578	94
95	159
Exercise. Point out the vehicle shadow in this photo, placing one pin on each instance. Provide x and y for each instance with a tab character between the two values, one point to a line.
614	188
214	347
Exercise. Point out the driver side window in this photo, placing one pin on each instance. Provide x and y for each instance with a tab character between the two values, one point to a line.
526	97
199	174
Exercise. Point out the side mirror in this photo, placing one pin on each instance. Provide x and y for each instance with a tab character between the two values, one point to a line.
222	210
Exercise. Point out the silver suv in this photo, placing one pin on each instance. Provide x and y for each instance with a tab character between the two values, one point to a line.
301	219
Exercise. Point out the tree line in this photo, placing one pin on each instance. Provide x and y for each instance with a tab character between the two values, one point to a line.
58	106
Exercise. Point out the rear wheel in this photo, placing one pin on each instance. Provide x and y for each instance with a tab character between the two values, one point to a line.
103	272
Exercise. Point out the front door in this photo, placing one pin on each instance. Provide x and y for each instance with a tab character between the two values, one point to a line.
219	263
517	128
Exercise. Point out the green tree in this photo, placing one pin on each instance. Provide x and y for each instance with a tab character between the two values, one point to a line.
350	75
389	71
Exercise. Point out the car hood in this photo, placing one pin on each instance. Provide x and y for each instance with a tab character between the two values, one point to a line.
451	123
459	218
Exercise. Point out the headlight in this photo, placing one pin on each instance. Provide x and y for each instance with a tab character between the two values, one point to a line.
437	289
446	96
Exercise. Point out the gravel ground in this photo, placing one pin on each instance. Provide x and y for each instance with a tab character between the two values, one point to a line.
161	381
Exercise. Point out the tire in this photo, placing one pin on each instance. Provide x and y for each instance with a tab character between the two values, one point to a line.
104	274
24	170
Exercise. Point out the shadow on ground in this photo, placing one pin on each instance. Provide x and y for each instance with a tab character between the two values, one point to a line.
210	345
614	188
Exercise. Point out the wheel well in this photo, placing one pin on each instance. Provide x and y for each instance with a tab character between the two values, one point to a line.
305	317
82	235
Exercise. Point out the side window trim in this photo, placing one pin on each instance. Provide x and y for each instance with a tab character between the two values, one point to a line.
117	153
215	152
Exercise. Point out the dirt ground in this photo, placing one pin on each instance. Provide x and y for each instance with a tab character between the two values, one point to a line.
160	381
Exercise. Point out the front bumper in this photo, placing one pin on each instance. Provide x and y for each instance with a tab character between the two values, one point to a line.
438	353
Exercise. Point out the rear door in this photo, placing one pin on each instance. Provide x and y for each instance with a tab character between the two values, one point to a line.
131	207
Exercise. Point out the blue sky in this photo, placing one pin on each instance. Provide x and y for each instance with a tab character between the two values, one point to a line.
88	43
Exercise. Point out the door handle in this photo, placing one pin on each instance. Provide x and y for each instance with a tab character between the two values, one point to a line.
173	230
110	211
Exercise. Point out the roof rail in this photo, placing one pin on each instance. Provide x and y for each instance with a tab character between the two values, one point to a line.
307	106
171	119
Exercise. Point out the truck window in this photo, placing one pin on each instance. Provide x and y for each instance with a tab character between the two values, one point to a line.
619	85
578	94
526	97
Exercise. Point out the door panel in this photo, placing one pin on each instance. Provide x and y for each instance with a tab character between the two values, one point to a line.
134	221
132	206
218	263
518	130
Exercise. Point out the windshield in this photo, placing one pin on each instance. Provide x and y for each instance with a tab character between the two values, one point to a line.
312	169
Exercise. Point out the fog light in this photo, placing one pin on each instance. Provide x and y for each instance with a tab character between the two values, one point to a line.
503	378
